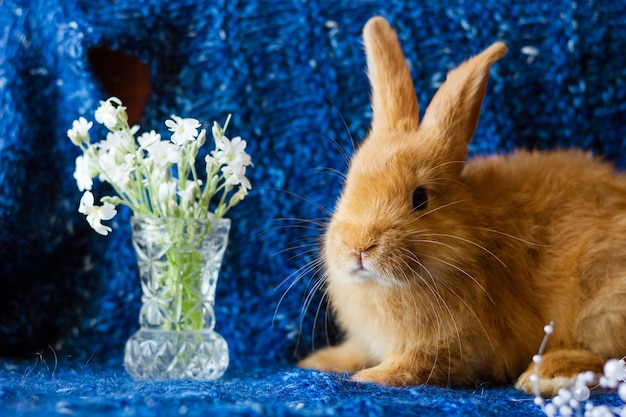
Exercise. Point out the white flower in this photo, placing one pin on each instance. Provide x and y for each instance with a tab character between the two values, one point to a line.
232	155
148	139
167	193
201	139
158	174
153	176
211	164
107	164
95	214
232	152
187	195
236	175
164	153
115	160
184	130
115	168
79	133
114	144
120	174
82	174
112	116
241	193
213	182
217	131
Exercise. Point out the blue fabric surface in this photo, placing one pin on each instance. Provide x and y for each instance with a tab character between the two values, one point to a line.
292	74
276	391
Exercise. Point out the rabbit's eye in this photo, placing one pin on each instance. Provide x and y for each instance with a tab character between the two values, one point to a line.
420	198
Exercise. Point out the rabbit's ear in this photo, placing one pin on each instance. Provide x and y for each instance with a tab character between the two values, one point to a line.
455	108
394	103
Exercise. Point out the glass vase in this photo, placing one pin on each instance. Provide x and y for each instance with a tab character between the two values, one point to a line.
179	262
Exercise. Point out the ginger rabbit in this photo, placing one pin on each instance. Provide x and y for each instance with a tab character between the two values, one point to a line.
444	271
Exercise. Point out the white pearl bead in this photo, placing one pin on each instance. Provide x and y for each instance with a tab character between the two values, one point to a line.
613	369
565	394
582	393
558	401
588	377
622	392
550	410
601	411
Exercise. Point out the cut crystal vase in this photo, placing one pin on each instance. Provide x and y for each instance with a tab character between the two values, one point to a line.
179	262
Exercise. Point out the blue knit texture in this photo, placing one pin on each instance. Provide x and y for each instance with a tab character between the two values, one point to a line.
293	76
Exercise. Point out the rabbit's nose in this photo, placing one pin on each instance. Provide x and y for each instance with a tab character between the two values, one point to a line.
363	251
362	254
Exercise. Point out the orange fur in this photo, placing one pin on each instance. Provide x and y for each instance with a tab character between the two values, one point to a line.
458	292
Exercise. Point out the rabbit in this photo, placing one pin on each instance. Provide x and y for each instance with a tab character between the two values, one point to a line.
442	270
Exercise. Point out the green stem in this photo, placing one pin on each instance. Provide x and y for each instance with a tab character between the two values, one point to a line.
184	271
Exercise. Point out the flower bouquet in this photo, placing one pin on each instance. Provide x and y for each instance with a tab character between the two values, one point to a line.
179	231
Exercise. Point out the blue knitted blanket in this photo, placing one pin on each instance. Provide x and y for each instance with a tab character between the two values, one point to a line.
292	74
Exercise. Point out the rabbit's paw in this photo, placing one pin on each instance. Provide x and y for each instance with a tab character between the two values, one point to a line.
547	387
347	357
388	376
558	369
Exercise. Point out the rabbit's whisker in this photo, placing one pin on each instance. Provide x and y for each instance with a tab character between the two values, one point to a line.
447	285
323	298
431	211
519	239
345	125
334	143
311	267
435	312
466	241
459	269
331	171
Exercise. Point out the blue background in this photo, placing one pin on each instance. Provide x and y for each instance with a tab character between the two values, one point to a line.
293	76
